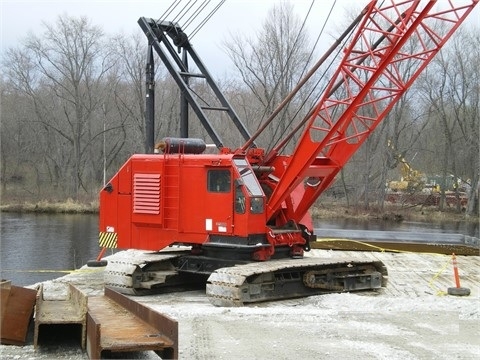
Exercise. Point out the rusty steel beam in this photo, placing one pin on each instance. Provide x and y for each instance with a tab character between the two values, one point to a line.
70	311
118	324
17	309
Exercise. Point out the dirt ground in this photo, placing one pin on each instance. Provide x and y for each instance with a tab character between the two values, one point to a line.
412	318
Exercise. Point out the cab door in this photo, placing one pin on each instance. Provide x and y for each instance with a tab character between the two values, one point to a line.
219	201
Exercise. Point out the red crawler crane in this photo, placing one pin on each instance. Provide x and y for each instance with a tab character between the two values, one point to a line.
244	212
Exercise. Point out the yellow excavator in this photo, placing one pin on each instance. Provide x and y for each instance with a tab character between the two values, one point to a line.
412	181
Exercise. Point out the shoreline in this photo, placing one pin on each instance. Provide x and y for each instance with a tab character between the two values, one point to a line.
46	207
326	210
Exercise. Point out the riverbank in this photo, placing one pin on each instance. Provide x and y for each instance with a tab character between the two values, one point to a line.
46	207
328	209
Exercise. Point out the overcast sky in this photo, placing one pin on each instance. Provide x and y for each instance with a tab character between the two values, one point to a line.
19	17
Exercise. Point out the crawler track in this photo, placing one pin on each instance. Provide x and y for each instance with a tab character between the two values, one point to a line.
281	279
143	273
149	273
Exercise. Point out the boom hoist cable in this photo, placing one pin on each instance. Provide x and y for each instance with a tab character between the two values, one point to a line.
192	17
182	12
344	38
207	18
179	15
274	143
192	10
319	35
169	10
287	62
302	82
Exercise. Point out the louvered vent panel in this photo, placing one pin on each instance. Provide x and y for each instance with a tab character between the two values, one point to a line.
146	194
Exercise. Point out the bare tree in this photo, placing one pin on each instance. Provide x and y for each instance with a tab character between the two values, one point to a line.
62	73
452	93
129	92
16	145
270	65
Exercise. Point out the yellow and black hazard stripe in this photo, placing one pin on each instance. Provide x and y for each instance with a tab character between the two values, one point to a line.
107	239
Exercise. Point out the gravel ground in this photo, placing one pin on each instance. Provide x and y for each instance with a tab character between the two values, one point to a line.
412	318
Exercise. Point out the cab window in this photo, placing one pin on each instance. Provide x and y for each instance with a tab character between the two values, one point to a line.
240	200
218	181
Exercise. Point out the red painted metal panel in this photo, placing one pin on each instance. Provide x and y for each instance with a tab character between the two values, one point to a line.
124	222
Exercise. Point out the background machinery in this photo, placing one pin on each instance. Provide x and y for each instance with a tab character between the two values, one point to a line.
412	181
242	213
417	188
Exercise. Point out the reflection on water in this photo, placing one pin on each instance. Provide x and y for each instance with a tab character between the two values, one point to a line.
33	243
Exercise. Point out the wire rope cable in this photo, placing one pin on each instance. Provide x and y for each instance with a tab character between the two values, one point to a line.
276	137
169	10
277	83
300	125
192	17
182	11
206	19
191	10
185	12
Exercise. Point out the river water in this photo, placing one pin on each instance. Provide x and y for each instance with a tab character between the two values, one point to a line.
40	247
34	246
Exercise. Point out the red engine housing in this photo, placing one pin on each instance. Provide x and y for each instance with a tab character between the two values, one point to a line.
155	201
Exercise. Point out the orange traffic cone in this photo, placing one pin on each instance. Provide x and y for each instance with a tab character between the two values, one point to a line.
457	290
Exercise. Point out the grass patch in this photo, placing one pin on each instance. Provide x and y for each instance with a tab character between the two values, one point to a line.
46	207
